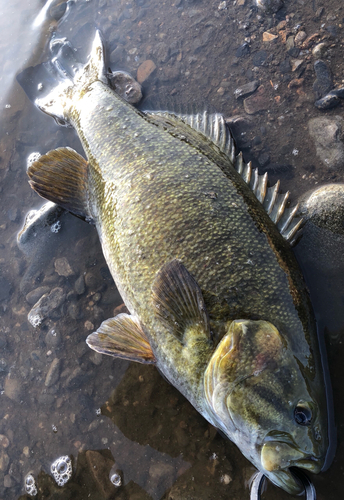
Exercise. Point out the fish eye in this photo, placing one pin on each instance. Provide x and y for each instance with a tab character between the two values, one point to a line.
302	415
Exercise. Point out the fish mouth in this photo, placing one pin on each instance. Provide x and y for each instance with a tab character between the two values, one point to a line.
278	460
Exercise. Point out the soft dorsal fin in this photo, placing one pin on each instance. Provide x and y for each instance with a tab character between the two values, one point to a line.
213	127
61	176
122	337
179	303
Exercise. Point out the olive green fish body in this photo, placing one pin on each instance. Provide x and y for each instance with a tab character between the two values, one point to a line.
216	298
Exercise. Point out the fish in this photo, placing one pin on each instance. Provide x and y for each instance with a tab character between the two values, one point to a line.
199	248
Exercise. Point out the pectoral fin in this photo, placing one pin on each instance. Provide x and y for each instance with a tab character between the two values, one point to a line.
179	304
122	337
61	176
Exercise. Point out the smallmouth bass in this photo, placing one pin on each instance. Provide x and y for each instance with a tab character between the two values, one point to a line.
195	242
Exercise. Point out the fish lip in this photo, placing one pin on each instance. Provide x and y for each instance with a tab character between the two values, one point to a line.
286	480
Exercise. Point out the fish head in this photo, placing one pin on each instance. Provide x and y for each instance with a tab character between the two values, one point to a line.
259	395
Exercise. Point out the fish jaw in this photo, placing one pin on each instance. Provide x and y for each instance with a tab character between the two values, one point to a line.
277	458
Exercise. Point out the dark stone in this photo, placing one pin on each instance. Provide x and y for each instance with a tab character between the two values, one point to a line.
246	89
243	50
79	285
338	92
259	57
328	102
263	159
284	66
5	288
332	30
34	296
293	52
323	83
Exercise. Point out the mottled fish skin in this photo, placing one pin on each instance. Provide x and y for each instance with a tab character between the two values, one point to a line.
156	198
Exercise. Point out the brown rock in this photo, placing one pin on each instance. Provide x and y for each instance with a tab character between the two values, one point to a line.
300	37
259	101
4	441
145	70
100	467
269	37
297	82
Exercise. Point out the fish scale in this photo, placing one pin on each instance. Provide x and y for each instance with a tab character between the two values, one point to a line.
216	297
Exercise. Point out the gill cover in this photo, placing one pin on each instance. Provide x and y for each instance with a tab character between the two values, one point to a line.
245	351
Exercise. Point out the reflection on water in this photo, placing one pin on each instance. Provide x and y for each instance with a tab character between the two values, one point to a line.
57	397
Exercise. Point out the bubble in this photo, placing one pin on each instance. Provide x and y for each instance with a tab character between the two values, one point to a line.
55	228
61	469
30	485
114	477
35	320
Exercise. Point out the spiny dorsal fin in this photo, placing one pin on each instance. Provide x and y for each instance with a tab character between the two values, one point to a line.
122	337
61	176
213	127
178	302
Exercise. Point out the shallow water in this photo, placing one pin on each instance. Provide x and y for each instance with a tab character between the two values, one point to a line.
95	409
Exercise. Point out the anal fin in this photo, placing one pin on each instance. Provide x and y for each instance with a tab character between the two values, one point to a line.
61	176
122	337
178	303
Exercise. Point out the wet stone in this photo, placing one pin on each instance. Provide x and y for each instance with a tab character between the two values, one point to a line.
53	373
91	280
8	482
46	305
76	378
34	296
259	57
246	89
3	340
79	285
74	311
126	86
4	441
257	102
5	288
243	50
323	83
326	133
145	70
328	102
319	50
4	461
13	389
3	366
62	267
53	338
13	214
270	6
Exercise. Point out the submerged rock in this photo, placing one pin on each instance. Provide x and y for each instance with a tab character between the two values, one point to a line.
326	133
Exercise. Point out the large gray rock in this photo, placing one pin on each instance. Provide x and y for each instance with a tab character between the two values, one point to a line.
326	133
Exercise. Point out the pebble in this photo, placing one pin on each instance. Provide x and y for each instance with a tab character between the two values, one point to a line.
269	37
79	285
259	101
270	6
243	50
295	64
323	83
328	102
300	37
5	288
34	296
91	280
326	133
62	267
319	50
145	70
246	89
259	57
53	373
13	389
8	483
13	214
46	305
53	338
126	86
74	311
4	441
4	461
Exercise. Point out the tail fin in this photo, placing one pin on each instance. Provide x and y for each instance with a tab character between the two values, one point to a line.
64	78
